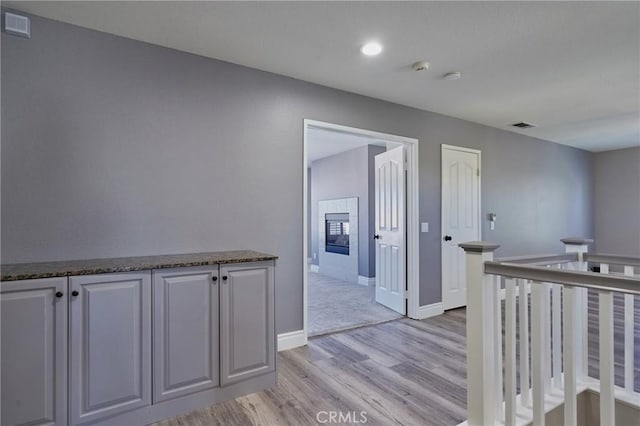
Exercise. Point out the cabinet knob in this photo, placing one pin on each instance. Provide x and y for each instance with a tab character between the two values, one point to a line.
59	294
214	278
224	278
74	293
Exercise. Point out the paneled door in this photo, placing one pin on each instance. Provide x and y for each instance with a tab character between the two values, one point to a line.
34	352
185	332
247	316
460	218
110	344
391	264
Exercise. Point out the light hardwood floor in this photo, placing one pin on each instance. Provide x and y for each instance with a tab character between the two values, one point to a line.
402	372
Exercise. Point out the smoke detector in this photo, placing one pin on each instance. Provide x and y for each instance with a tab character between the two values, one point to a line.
453	75
421	66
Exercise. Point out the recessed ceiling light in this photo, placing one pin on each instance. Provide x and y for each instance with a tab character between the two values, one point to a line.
454	75
371	49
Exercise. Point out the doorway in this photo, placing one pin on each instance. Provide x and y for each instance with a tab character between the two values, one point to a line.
332	226
460	218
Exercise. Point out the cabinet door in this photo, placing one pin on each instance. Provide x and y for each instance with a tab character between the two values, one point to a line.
34	352
247	329
110	344
185	331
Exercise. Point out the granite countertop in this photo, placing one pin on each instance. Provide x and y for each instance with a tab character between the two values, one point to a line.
24	271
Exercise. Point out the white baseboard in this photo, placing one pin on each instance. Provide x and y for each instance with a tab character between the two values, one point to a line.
315	268
431	310
366	280
291	340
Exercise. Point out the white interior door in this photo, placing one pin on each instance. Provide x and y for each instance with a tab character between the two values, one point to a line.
460	219
390	229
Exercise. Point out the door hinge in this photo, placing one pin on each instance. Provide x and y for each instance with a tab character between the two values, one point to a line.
478	172
406	294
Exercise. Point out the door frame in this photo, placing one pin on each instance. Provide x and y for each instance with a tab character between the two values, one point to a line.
479	234
412	237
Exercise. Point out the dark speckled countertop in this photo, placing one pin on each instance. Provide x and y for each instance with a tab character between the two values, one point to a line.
24	271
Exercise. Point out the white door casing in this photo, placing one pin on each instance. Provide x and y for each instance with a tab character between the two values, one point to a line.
460	218
390	229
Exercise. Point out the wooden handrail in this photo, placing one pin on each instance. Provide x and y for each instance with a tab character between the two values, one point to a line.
612	259
590	280
541	259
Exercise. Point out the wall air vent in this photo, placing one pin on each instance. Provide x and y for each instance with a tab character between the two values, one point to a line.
17	25
523	125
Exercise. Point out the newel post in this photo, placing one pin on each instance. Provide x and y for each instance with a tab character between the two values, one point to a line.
481	356
580	368
577	245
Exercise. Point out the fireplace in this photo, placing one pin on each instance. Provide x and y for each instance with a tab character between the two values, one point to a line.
337	233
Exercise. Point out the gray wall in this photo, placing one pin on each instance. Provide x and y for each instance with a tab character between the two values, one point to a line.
344	175
617	206
113	147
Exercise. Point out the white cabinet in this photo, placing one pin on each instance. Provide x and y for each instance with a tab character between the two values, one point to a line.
34	352
78	350
110	344
247	331
185	331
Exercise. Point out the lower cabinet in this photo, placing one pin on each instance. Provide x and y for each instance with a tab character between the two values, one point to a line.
134	348
109	345
33	318
185	331
247	329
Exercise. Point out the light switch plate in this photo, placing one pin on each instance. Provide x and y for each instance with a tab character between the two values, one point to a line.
424	227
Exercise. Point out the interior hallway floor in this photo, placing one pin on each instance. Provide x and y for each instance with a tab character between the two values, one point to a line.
403	372
335	305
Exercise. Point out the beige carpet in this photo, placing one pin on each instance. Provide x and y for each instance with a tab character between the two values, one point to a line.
335	305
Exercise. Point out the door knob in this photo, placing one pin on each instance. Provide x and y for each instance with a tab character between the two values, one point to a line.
224	278
214	278
59	294
376	237
74	293
447	238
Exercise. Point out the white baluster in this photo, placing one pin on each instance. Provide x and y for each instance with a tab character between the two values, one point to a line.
607	401
556	323
510	351
547	332
498	348
538	354
629	321
571	347
523	307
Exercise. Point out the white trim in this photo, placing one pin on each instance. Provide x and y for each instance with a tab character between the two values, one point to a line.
292	339
432	310
362	280
413	217
314	268
479	234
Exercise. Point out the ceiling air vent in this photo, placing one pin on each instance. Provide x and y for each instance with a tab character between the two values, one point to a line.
523	125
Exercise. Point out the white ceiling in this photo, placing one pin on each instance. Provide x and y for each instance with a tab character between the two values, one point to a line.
323	143
571	68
